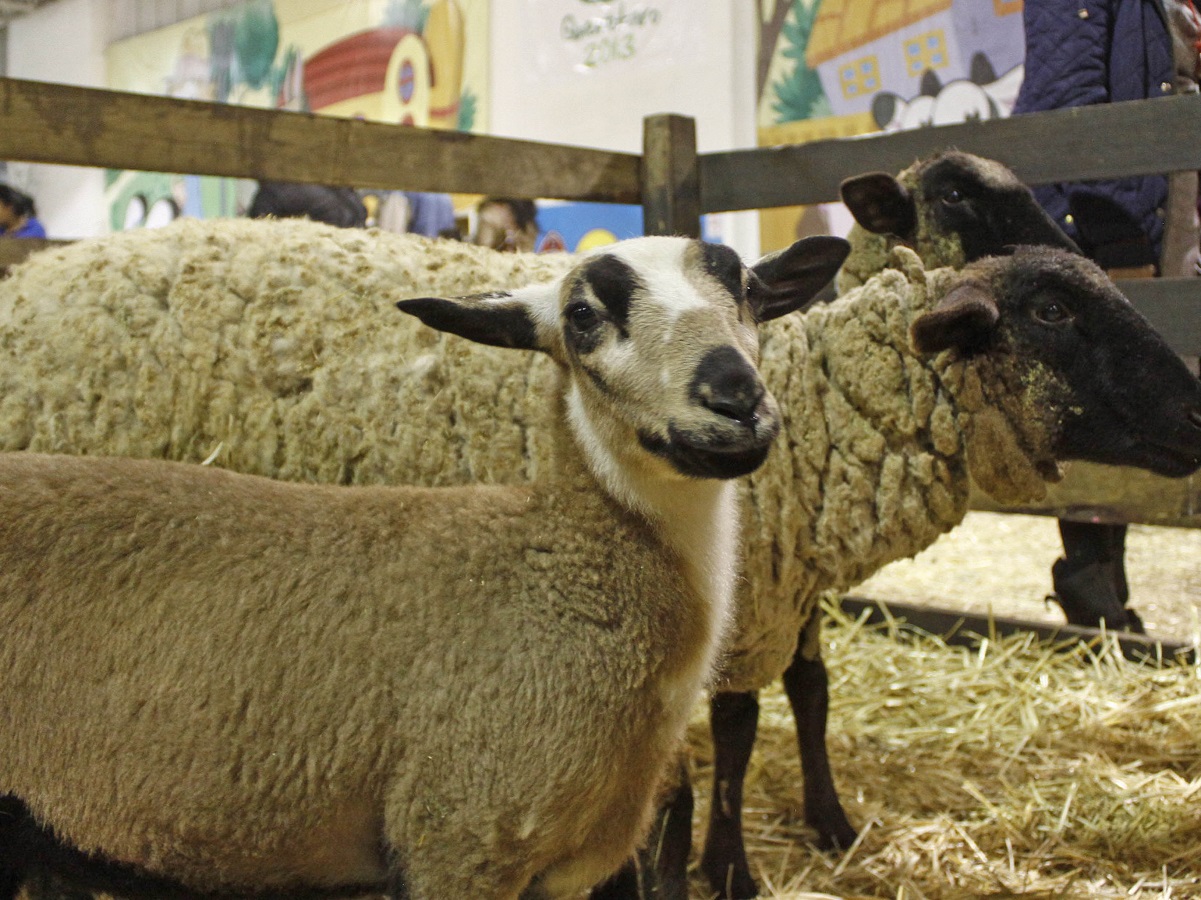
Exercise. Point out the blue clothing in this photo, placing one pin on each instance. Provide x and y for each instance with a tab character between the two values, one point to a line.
31	229
1080	52
430	214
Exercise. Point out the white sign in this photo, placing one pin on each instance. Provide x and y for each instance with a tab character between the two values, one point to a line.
577	37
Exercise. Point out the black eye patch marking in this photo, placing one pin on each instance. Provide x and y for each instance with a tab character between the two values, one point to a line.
613	283
724	264
582	333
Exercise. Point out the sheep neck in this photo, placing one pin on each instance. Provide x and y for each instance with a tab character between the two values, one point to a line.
696	518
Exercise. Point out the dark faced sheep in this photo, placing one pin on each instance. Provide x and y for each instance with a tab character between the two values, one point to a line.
951	208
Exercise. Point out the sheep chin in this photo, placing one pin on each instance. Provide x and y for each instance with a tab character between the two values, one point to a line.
997	462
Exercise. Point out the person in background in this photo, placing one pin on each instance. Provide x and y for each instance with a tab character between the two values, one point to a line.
507	224
431	214
1080	52
412	212
332	205
18	215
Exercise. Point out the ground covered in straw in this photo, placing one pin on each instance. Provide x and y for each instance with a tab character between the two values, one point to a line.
1007	770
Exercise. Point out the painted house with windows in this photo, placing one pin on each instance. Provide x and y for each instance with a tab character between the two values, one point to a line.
860	47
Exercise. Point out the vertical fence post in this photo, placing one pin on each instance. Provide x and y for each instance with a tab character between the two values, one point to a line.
671	188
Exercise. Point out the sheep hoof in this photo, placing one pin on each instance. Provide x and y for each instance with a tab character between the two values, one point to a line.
730	881
834	832
1089	598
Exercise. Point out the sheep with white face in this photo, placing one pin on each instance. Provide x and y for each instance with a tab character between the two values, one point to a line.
221	682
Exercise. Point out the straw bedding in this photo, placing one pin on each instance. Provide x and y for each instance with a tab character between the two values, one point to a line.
1010	770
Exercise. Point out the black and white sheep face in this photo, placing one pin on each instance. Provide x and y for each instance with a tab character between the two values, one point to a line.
1104	384
659	335
953	197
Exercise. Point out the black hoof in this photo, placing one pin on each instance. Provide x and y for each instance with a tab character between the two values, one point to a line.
729	882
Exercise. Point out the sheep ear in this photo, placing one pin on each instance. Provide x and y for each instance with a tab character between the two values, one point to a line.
795	276
499	318
880	203
964	319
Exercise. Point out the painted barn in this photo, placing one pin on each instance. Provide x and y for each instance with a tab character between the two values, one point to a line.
860	47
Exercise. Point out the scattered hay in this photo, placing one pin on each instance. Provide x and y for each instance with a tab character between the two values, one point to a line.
1009	770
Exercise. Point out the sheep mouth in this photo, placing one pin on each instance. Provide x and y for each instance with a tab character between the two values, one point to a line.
712	454
1158	458
1168	461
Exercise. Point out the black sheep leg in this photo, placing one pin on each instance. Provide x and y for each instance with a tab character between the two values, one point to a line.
808	689
13	856
43	886
660	871
623	885
1090	579
664	860
734	719
10	882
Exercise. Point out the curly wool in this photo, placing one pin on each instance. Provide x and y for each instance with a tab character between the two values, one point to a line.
879	448
274	341
278	342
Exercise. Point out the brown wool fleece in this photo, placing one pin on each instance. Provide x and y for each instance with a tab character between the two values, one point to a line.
287	730
879	447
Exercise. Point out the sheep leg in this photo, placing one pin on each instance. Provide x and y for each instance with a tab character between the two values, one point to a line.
661	867
13	858
1090	579
664	858
733	719
43	886
10	883
808	689
395	885
622	885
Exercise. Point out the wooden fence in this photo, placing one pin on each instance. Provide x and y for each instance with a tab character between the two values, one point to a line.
52	123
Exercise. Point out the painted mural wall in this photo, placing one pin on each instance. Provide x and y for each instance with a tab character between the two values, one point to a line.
416	62
837	68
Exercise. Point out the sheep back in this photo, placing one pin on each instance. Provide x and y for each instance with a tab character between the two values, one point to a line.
273	340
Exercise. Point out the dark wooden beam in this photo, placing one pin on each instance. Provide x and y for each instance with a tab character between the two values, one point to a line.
1173	306
1103	141
670	186
967	629
67	125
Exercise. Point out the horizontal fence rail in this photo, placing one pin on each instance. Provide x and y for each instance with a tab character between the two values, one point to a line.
67	125
1141	137
1173	306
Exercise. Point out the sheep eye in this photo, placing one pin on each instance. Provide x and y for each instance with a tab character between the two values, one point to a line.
582	317
1052	312
952	197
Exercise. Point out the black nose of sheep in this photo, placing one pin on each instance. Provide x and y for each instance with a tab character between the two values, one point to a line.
726	384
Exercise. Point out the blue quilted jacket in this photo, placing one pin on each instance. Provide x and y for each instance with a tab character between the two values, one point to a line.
1098	51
